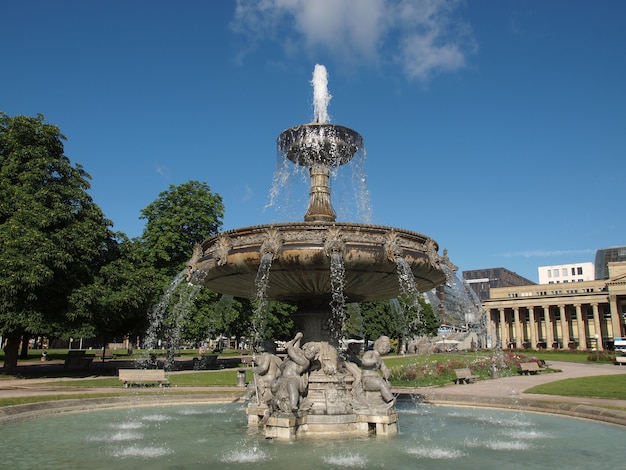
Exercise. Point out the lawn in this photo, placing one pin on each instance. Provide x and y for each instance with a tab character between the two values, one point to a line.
601	386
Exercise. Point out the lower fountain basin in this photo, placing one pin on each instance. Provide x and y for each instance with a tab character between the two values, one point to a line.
300	255
217	436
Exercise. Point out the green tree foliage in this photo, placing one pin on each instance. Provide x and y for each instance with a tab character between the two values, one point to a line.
428	324
53	238
115	304
179	218
391	318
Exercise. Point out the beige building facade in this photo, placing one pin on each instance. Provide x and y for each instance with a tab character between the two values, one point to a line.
577	315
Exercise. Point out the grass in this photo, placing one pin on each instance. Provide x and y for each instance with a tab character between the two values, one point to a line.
602	386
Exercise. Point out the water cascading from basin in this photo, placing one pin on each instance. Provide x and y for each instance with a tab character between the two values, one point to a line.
334	248
260	316
167	316
338	302
457	302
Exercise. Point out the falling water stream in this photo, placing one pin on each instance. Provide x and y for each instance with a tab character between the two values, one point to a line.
338	302
167	316
259	322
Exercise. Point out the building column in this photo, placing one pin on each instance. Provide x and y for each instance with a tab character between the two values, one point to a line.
549	326
564	326
533	327
494	325
517	329
504	336
580	321
616	321
597	327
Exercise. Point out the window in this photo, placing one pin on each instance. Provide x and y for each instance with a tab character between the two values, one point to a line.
564	272
580	271
556	273
573	271
549	273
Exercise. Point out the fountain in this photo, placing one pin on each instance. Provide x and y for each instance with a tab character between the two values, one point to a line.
318	265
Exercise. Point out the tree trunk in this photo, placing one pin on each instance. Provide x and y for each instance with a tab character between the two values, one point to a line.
25	342
11	352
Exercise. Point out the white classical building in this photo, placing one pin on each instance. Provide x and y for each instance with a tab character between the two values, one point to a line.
577	272
580	316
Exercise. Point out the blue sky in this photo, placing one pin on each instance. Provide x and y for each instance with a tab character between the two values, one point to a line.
496	127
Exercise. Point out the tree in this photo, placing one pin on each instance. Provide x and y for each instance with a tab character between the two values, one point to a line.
53	238
396	318
181	217
115	304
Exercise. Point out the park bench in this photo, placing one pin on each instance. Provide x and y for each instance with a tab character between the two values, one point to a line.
77	358
464	376
143	377
620	360
528	368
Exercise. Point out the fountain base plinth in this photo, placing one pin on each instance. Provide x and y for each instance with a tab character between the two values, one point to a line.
299	425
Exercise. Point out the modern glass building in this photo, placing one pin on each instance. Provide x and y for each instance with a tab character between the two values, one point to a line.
606	255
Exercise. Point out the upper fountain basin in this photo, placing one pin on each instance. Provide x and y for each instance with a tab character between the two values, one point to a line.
328	144
301	257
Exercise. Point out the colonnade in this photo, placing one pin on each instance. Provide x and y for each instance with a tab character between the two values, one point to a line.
561	326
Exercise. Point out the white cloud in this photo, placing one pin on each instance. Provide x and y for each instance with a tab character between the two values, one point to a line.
162	171
423	37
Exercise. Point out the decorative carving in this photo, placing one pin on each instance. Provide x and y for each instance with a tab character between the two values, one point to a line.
193	261
392	246
221	248
431	251
293	382
272	244
373	391
445	260
333	243
266	371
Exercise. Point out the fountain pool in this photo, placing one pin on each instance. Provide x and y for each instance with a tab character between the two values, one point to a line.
217	436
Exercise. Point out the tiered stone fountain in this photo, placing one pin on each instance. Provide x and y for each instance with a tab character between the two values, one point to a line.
317	265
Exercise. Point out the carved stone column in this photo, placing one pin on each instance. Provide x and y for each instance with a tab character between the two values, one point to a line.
580	321
504	335
597	326
564	326
549	326
616	321
517	329
320	207
533	327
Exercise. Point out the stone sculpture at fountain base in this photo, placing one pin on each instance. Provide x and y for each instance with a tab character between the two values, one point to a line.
334	395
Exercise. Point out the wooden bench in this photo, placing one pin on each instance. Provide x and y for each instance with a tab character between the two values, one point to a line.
143	377
77	357
464	376
528	368
620	360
